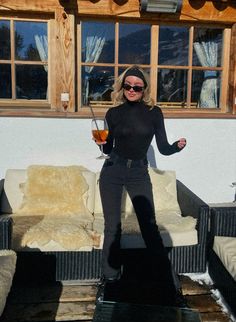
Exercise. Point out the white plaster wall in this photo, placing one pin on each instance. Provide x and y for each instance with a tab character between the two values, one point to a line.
207	165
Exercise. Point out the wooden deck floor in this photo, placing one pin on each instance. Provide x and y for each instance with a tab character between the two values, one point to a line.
77	303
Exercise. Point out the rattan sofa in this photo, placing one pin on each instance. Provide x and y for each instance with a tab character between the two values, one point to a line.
85	265
223	233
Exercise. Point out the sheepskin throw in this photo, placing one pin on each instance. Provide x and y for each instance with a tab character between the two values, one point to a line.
69	232
7	270
51	190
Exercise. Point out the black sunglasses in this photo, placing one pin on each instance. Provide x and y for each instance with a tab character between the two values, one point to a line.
136	88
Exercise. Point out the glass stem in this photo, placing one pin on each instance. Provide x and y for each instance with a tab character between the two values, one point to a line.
102	149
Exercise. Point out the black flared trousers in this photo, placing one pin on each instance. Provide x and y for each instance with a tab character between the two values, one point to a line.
116	174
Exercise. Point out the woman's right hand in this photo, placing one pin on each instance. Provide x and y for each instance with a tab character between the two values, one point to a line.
99	142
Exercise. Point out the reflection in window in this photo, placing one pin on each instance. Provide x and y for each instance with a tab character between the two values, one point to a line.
98	46
5	81
34	83
31	41
29	79
5	51
206	88
98	42
172	86
134	43
97	86
173	46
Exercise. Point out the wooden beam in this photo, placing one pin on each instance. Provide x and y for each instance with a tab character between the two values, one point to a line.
64	51
232	71
26	5
192	10
202	10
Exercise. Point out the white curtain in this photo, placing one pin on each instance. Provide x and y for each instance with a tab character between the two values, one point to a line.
207	53
42	47
94	46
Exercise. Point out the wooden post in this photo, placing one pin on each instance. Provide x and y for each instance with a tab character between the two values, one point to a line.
232	71
63	59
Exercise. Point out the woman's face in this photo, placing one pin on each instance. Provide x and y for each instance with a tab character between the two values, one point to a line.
133	88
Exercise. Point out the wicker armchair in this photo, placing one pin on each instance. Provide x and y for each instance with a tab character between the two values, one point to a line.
223	223
193	258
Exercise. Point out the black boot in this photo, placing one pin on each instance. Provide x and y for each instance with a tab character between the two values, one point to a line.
110	284
180	300
101	290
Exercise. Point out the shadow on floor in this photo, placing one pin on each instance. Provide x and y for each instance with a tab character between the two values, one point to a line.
144	281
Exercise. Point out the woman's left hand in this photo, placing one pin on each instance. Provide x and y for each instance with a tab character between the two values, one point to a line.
181	143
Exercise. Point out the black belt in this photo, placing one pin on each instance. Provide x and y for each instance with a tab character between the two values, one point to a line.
129	163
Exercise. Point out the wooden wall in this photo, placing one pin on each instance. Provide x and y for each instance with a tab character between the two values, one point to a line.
232	71
192	10
63	26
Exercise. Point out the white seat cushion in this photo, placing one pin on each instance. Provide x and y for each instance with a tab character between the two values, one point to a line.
175	230
164	194
12	200
225	248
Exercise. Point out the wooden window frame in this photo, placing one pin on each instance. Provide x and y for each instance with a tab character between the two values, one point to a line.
173	110
15	104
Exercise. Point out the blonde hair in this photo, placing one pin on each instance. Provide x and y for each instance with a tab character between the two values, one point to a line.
117	95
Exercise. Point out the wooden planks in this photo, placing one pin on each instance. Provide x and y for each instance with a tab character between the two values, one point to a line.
199	298
59	302
55	293
49	303
49	312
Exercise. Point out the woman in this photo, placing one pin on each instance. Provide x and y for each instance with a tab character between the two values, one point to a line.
133	123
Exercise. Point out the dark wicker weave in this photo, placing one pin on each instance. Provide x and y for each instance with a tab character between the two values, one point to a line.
5	232
86	266
223	223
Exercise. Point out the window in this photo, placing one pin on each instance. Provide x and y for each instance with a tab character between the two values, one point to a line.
189	78
23	61
100	54
188	65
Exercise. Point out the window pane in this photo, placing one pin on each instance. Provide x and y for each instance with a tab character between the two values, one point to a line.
5	81
207	47
98	42
97	83
5	52
206	88
31	82
173	46
172	85
31	41
134	43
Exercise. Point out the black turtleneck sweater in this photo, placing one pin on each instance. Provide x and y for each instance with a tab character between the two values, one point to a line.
132	126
